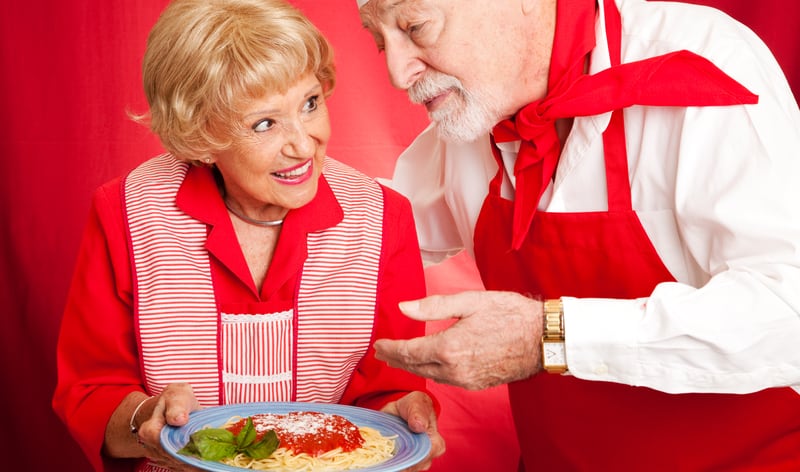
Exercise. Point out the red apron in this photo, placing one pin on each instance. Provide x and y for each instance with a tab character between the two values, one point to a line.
564	423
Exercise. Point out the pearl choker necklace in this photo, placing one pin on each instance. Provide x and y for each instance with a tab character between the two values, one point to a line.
253	221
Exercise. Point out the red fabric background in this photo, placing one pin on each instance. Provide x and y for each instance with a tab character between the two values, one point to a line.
69	72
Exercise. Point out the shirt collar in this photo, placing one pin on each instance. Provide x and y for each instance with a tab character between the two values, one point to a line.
199	197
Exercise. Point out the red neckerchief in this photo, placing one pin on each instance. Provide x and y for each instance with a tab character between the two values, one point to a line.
679	78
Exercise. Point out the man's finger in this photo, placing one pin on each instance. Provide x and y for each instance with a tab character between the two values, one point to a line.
423	309
397	354
408	352
443	307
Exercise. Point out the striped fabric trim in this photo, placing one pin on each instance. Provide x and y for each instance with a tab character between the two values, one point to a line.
254	379
248	318
257	354
147	466
176	308
174	294
337	295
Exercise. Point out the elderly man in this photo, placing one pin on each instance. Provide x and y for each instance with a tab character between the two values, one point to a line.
624	173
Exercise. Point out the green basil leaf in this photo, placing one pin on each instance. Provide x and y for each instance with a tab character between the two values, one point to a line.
215	450
214	434
246	436
213	444
189	449
265	447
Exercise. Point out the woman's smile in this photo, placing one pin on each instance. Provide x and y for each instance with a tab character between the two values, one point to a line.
295	175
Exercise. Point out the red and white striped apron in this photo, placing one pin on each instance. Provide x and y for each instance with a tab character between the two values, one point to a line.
305	354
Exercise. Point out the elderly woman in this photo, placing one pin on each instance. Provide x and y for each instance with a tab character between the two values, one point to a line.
244	265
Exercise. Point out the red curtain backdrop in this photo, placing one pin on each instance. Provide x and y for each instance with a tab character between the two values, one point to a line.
70	70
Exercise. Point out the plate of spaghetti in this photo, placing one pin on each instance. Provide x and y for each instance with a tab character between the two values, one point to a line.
295	436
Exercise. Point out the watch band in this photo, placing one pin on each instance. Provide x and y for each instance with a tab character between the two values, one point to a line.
554	320
554	358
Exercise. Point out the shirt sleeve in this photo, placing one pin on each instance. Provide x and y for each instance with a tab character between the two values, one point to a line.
443	229
96	352
401	278
735	327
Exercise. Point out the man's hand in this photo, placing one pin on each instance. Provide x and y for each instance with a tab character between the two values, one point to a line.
496	339
417	410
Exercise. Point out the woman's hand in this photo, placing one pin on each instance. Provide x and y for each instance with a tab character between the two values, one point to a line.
171	407
417	410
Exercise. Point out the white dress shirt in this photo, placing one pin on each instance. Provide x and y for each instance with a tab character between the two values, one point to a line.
717	190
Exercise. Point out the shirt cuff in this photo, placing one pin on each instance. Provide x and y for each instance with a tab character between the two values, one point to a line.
601	337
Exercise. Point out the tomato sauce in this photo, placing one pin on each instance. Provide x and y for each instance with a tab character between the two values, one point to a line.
306	431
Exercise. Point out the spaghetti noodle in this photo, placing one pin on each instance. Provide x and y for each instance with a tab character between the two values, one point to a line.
311	441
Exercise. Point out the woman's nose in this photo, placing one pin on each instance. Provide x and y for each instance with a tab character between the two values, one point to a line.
299	142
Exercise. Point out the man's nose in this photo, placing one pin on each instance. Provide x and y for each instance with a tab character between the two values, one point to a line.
404	63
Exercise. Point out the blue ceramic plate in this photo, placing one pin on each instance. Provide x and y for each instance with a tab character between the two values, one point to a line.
410	448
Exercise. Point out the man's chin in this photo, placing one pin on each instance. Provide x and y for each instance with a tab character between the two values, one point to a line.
458	134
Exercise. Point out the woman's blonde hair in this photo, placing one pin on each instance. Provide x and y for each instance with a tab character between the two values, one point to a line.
206	58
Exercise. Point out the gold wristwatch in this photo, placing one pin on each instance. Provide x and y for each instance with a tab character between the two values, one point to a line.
554	350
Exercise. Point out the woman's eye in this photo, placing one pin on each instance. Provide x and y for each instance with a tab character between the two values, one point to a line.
263	125
311	104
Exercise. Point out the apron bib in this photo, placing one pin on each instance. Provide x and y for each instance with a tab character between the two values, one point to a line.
243	353
564	423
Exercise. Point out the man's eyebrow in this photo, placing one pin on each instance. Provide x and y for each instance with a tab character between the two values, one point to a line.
392	5
386	8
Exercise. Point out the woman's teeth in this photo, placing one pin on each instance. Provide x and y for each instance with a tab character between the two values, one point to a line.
295	172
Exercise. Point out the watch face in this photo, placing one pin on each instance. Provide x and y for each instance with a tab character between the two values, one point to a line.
554	353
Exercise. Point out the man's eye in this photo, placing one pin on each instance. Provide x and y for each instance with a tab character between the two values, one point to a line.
312	103
416	29
263	125
379	42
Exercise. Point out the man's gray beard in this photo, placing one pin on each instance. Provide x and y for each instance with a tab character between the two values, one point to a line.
466	122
